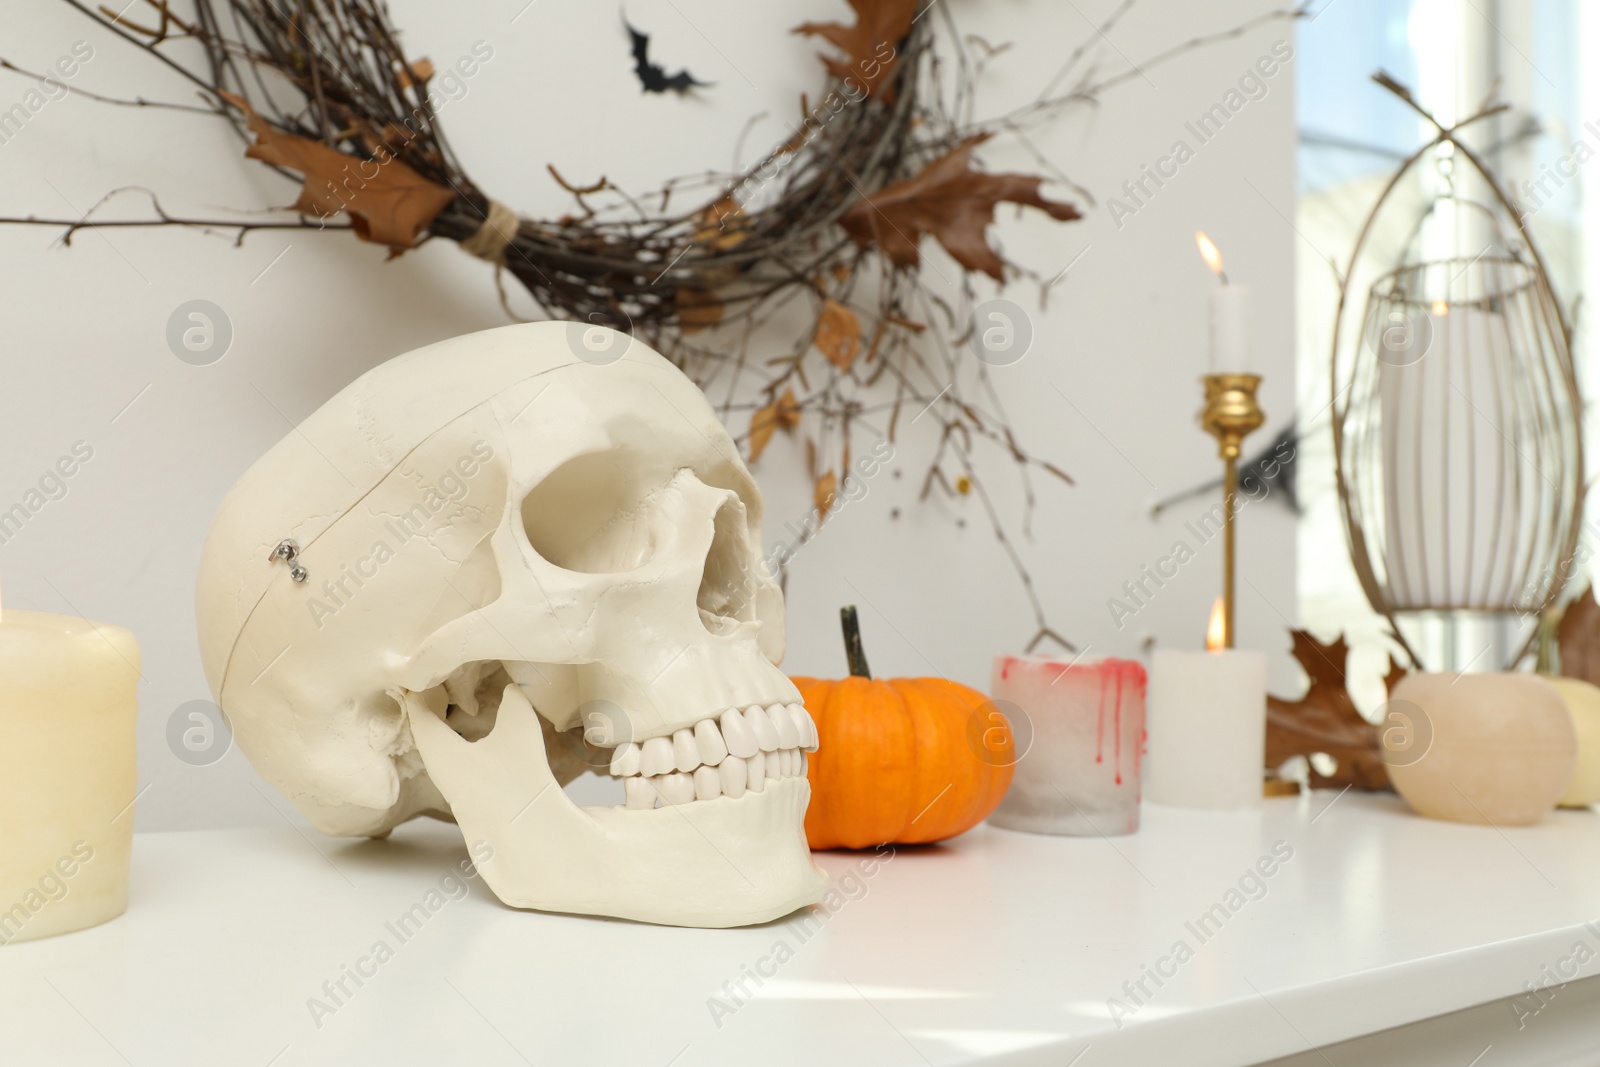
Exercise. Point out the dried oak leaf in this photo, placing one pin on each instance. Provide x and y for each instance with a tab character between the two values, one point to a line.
823	494
1578	638
951	201
871	47
697	309
390	206
722	224
838	334
783	413
418	73
1326	720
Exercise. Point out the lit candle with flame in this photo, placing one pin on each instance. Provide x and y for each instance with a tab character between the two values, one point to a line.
1217	628
68	704
1208	724
1229	348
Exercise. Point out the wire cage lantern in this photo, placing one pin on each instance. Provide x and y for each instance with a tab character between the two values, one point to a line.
1457	447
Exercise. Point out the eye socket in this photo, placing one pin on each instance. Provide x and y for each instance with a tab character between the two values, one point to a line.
582	516
728	583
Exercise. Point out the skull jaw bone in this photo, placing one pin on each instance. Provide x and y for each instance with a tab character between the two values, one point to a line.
729	863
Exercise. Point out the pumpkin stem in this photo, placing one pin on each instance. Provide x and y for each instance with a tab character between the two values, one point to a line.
853	651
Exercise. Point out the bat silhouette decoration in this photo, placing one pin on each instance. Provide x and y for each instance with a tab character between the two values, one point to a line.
652	76
1270	472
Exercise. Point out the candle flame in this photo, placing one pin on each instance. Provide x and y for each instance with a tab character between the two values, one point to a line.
1440	308
1217	628
1210	253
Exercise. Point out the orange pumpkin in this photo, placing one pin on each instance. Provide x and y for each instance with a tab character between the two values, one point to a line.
907	760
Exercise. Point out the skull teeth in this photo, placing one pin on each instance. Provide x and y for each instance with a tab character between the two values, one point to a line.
658	757
761	725
741	733
627	761
685	751
736	753
709	738
736	732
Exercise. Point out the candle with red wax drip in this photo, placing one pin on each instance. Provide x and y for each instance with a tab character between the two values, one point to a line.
1083	723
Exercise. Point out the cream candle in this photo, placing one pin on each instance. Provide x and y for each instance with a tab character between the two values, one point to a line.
1229	317
1208	725
67	776
1081	773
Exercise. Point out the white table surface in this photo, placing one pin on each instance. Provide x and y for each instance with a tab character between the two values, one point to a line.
998	947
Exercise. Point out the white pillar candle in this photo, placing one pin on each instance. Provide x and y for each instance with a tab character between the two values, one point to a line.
68	703
1230	329
1208	728
1080	773
1228	351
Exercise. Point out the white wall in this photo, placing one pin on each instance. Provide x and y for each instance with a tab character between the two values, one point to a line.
86	356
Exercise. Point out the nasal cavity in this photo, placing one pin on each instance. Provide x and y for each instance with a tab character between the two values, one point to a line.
730	580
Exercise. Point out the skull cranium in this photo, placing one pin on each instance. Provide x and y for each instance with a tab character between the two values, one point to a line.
511	563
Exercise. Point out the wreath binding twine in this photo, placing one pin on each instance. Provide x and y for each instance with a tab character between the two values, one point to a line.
323	92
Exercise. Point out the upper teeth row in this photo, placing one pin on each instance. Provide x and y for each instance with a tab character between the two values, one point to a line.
741	733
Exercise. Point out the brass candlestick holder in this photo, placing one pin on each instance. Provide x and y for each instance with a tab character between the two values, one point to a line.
1230	415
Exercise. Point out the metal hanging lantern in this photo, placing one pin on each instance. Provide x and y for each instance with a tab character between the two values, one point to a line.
1457	448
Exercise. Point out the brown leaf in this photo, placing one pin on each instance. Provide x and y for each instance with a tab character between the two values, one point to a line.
951	201
417	73
1326	720
697	309
871	46
762	423
722	224
788	411
838	334
1578	638
1392	679
826	488
388	202
782	413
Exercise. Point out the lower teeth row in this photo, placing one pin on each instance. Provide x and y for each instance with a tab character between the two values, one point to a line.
732	777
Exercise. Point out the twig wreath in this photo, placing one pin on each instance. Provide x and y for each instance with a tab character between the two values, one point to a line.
323	92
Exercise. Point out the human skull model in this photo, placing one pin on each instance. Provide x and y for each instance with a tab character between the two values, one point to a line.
491	564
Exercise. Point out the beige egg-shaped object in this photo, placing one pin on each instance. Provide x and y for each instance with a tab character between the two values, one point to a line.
1488	748
1583	704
